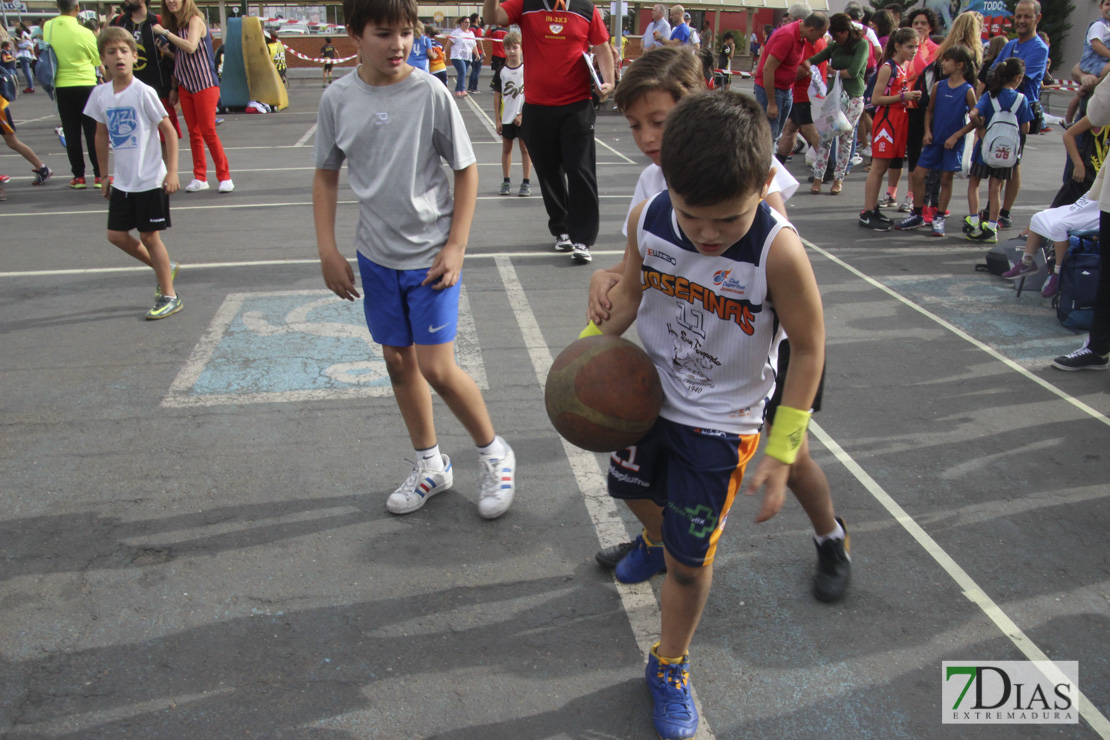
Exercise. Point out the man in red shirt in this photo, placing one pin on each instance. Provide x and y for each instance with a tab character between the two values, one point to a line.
557	121
801	116
778	67
497	52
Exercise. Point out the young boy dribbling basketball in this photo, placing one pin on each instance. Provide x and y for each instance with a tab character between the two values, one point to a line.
713	277
129	115
385	119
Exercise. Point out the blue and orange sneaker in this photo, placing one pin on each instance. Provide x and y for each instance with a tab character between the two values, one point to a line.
420	486
643	561
673	712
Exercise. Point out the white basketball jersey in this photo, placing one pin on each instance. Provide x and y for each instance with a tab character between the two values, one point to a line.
706	322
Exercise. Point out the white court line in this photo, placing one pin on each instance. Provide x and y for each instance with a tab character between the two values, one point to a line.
639	599
307	135
496	139
486	120
277	263
215	206
971	590
614	151
1093	413
36	120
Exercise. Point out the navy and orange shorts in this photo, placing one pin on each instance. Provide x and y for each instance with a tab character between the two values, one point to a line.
7	125
694	474
888	132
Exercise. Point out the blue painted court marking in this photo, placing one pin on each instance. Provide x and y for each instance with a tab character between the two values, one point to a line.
286	346
1024	329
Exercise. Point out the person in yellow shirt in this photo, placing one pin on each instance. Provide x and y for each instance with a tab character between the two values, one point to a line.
74	80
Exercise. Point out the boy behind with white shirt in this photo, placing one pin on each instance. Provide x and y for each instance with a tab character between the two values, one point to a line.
508	102
128	113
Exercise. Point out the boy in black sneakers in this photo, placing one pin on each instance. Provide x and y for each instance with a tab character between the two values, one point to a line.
129	114
713	279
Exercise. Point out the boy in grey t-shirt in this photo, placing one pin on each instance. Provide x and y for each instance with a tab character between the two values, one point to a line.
395	124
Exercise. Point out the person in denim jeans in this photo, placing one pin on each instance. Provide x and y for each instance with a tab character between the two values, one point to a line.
778	67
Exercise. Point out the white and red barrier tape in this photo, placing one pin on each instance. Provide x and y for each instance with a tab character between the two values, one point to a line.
1063	85
320	60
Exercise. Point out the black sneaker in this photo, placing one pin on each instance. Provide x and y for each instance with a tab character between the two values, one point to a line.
834	568
610	556
1005	222
580	253
1081	359
913	221
874	220
985	234
563	243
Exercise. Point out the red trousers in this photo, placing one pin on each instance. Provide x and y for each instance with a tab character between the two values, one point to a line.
199	109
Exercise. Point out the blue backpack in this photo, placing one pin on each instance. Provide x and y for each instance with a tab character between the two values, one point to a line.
1075	299
7	85
47	66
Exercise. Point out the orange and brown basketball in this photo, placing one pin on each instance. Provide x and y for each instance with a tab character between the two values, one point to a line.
603	393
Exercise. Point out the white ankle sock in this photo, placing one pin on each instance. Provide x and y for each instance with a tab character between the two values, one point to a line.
430	459
836	534
496	448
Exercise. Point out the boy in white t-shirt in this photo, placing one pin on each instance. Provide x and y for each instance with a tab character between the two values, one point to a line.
128	113
508	102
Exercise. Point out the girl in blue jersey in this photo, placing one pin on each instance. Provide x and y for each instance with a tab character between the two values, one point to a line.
946	124
1001	93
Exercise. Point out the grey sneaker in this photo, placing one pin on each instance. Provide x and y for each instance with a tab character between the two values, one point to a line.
563	244
525	190
496	483
506	188
907	204
174	267
164	306
420	486
580	253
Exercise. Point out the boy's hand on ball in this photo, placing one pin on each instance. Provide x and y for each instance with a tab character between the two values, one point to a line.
601	282
770	475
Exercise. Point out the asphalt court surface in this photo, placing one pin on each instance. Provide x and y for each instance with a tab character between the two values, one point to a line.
193	533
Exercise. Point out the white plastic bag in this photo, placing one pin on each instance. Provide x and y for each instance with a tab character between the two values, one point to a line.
828	114
817	89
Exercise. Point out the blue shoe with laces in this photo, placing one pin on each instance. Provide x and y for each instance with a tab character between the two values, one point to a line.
673	714
643	561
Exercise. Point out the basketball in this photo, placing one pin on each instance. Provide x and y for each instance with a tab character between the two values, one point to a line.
603	393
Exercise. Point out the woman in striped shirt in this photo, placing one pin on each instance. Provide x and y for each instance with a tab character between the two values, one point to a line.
198	88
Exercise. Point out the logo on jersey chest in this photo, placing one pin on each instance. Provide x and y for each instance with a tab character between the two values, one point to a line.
727	284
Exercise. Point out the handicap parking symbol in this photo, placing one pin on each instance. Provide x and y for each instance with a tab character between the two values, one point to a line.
273	347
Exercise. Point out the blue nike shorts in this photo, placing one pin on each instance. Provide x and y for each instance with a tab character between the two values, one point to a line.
401	312
936	157
694	474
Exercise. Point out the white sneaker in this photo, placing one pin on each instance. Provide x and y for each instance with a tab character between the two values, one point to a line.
496	483
420	486
563	243
196	185
226	186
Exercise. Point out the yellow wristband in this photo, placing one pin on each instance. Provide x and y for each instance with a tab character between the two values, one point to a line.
788	431
591	330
